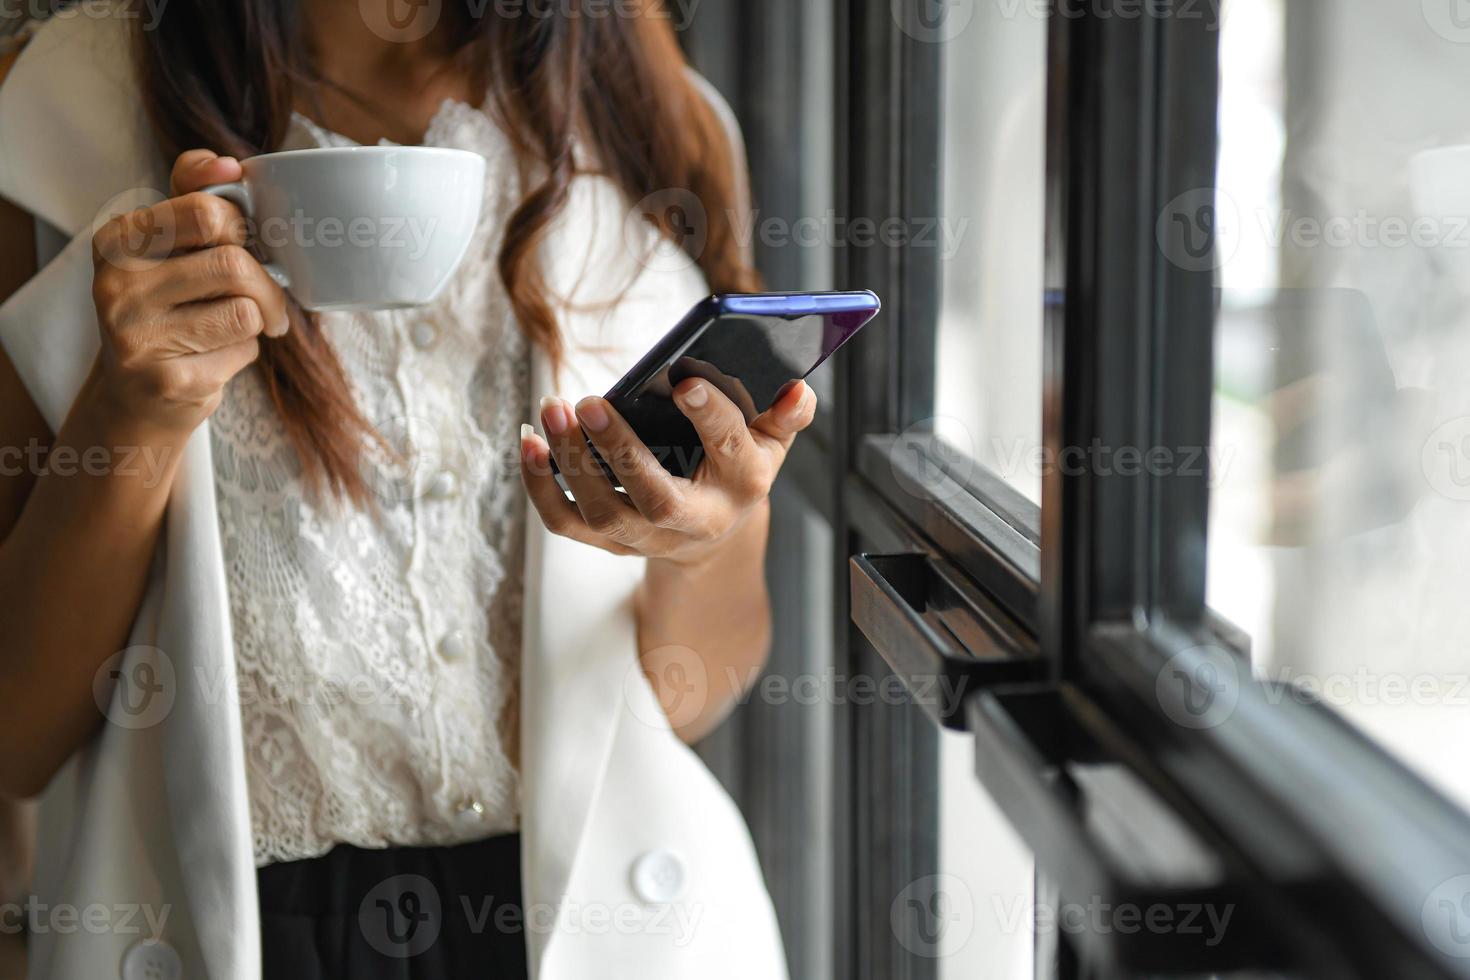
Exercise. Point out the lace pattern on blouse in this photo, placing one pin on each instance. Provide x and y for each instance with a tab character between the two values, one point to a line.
378	654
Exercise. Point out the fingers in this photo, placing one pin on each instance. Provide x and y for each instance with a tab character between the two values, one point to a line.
732	387
731	454
602	508
226	362
225	270
196	169
140	239
210	325
659	497
203	220
559	514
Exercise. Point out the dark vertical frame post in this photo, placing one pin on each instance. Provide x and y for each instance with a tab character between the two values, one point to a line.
1099	329
1131	107
1188	88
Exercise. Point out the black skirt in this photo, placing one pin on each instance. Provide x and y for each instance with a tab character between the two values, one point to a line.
405	913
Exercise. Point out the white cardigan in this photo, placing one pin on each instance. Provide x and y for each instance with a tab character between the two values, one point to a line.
619	816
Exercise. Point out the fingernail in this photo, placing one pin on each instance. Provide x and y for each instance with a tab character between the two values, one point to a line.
554	414
695	396
284	327
530	452
592	414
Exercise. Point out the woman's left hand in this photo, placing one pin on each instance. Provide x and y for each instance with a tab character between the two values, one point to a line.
662	516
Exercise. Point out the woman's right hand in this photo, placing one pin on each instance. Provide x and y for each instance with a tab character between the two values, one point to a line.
180	301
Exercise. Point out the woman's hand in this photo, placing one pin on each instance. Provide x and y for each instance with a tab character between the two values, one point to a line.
180	301
662	516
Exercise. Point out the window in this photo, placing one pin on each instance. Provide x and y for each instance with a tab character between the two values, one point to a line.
990	236
1341	414
1090	766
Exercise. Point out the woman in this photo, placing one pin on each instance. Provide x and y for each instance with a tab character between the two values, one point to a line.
294	657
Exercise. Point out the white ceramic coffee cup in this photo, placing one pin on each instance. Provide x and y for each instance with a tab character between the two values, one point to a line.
361	227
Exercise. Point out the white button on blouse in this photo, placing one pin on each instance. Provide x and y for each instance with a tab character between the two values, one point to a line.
658	877
152	960
454	646
443	485
423	334
471	815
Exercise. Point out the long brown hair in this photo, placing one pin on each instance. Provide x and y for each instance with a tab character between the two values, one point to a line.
225	74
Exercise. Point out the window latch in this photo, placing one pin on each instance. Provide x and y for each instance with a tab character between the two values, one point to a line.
938	633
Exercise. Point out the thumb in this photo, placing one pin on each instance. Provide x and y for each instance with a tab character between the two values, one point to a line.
793	411
197	169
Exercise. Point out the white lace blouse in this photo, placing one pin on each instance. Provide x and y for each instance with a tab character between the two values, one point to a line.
378	655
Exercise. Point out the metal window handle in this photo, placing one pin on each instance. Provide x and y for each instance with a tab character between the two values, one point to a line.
939	635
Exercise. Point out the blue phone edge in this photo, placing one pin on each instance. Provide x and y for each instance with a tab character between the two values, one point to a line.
706	313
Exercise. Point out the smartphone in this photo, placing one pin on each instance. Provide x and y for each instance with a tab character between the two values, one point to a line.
751	346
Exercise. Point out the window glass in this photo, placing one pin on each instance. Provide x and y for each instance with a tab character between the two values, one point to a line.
1340	534
967	909
991	235
989	915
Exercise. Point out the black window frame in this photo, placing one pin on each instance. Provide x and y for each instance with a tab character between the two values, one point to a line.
1093	605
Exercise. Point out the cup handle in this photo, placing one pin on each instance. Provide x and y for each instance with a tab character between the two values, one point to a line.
239	195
